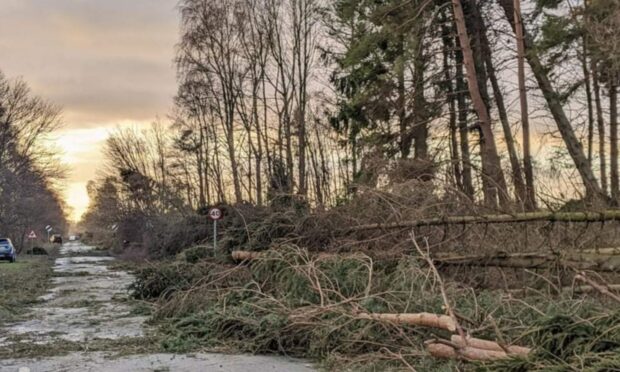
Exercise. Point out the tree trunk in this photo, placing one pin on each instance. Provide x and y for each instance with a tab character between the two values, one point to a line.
420	125
587	79
404	130
530	191
613	138
202	201
450	99
517	175
490	159
600	127
593	190
462	107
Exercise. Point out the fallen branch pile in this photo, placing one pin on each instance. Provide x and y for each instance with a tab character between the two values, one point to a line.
349	311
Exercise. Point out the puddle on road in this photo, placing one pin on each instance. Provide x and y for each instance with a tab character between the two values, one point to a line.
85	303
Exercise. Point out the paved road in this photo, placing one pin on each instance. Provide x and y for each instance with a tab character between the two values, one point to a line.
88	303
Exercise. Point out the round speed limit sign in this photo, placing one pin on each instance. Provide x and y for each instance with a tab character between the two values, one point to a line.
215	214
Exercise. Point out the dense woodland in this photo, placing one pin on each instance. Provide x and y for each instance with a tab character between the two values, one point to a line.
30	171
510	106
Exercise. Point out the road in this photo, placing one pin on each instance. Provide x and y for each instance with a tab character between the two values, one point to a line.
88	308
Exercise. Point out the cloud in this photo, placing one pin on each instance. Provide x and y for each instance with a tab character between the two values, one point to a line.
100	60
107	63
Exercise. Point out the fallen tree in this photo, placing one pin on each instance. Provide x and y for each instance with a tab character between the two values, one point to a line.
607	215
531	260
534	261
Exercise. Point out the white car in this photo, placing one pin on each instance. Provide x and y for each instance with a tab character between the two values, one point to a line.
72	238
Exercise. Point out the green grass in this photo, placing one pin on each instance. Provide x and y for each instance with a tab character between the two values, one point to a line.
22	283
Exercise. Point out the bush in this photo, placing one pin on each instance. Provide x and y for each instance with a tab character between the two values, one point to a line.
197	253
162	279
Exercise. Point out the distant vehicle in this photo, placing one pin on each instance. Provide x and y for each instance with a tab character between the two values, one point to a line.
72	238
56	239
7	251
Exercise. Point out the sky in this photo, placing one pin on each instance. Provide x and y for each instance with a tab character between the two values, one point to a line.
106	63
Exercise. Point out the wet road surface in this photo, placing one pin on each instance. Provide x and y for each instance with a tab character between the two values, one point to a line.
88	302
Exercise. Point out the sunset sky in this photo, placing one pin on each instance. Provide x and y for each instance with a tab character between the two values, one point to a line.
107	63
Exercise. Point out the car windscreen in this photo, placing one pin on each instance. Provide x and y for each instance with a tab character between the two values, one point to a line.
4	241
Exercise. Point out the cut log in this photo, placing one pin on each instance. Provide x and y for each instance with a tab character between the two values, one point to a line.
440	350
419	319
489	345
245	255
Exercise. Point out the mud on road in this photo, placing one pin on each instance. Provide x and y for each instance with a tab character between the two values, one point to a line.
88	308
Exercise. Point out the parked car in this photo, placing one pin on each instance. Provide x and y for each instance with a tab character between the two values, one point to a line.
56	239
7	251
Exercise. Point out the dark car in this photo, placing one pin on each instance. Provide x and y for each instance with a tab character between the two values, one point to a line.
56	239
7	251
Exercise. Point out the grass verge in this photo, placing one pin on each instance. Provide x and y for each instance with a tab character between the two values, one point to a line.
23	282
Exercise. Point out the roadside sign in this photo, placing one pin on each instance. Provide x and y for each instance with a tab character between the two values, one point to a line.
32	235
215	214
49	229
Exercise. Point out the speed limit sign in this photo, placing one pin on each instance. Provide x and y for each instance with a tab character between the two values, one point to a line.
215	214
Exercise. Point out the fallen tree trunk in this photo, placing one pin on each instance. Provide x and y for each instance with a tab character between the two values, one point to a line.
580	289
245	255
577	260
605	251
440	350
489	345
419	319
607	215
534	261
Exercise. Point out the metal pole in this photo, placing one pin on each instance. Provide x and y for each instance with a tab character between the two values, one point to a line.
214	237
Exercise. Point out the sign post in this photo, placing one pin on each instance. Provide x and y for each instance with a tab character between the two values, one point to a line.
215	214
49	229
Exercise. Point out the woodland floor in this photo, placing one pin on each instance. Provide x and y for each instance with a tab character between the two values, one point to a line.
73	313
